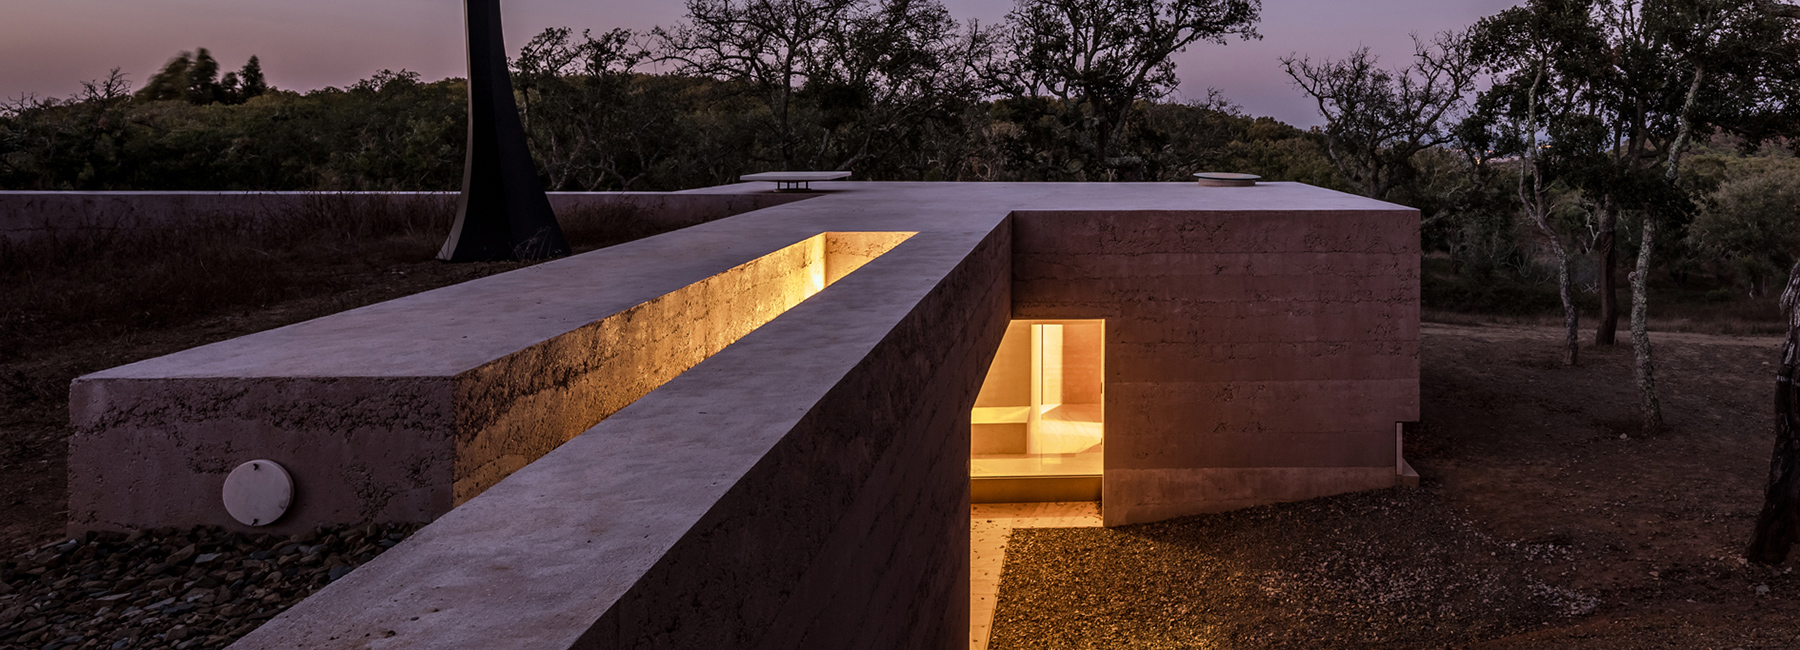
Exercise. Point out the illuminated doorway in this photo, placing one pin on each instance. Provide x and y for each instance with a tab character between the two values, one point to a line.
1037	427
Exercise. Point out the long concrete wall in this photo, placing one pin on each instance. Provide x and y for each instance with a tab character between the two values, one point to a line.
1251	357
429	430
805	488
25	216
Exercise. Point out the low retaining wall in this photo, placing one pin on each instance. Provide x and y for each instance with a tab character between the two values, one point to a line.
380	417
28	215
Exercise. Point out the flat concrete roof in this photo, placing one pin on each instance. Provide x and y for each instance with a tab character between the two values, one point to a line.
444	332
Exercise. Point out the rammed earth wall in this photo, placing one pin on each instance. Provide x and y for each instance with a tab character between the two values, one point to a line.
1251	357
806	486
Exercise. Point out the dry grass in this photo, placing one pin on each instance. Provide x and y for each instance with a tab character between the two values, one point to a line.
122	281
1681	318
1675	306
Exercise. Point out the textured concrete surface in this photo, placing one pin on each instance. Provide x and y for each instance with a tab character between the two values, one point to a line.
806	488
1251	357
26	215
807	485
410	438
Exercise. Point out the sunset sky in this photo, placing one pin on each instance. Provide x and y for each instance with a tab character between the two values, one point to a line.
48	46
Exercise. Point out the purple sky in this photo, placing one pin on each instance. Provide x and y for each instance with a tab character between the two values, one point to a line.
48	46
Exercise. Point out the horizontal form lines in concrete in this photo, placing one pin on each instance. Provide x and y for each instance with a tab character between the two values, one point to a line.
1237	342
807	486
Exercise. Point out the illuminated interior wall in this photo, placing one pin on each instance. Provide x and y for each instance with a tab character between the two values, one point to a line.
611	363
1252	357
1040	411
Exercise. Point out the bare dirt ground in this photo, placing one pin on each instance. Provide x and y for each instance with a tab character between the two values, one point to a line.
1546	519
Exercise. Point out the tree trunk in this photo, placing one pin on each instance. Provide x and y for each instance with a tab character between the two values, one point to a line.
1640	280
1537	207
1778	527
1565	266
1645	369
1571	315
1606	332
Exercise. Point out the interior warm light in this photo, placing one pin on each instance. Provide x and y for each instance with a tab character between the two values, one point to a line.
653	342
1040	411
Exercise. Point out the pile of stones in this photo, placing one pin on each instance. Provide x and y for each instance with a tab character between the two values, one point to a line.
172	588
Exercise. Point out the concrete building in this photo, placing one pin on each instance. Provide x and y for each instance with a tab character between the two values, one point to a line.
766	430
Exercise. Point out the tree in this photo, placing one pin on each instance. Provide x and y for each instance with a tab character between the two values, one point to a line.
1377	120
770	47
1778	525
1719	48
1629	85
1536	54
843	81
1753	224
899	65
203	79
502	213
1103	57
250	79
171	82
193	77
80	143
561	80
243	85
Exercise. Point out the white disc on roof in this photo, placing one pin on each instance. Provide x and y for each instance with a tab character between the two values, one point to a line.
1226	179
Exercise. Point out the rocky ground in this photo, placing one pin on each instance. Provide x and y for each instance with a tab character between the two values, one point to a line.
1546	519
170	588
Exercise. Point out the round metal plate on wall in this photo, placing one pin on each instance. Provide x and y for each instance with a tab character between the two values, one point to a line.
258	492
1226	179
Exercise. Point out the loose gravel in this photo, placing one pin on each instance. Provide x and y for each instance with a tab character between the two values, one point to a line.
1394	568
171	588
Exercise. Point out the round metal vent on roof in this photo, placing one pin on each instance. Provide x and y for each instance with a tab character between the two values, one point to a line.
1226	179
258	492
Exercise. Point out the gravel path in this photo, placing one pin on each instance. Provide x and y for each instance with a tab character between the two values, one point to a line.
1395	568
200	588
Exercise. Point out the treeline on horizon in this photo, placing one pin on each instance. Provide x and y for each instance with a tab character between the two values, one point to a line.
599	122
1598	117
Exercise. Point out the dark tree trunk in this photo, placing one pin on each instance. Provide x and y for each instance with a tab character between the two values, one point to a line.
1645	368
1778	527
1606	331
502	213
